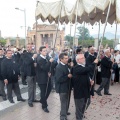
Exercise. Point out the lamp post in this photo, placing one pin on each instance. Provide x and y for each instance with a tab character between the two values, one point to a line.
23	10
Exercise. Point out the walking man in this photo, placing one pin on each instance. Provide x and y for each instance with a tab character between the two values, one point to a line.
106	66
29	72
62	79
2	84
81	85
44	77
10	73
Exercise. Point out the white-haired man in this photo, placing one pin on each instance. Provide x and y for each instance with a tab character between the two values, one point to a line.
106	66
81	85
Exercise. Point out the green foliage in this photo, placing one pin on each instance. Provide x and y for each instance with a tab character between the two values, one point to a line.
109	42
69	39
2	41
13	42
84	34
84	38
104	38
86	43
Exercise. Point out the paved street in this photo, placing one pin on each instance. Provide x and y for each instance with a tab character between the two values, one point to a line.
101	108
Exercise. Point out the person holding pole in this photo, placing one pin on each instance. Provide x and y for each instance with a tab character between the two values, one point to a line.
82	85
62	79
106	67
43	77
29	72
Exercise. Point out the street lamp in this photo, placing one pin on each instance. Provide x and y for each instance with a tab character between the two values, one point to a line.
23	10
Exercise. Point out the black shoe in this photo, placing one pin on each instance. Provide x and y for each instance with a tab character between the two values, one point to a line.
45	110
95	90
64	119
68	113
98	93
53	90
24	83
36	100
84	116
4	98
23	100
40	101
107	94
30	104
112	83
11	101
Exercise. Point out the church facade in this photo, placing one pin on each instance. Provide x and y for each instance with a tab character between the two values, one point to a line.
45	35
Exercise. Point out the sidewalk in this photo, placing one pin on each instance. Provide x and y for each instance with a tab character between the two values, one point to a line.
101	108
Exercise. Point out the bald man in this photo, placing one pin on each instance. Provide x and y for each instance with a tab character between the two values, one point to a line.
106	66
81	85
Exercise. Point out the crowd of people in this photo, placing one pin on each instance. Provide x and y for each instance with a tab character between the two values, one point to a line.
61	71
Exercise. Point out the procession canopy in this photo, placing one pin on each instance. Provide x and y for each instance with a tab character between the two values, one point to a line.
90	11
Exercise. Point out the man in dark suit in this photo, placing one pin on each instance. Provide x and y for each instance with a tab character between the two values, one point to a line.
106	66
10	73
2	84
43	76
16	56
89	60
87	53
62	79
91	56
78	51
23	77
81	85
29	72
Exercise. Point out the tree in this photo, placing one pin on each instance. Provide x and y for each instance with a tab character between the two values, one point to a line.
84	34
91	38
2	41
86	43
104	38
69	39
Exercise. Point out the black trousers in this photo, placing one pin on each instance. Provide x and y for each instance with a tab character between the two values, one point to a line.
15	88
104	85
81	105
44	96
2	91
64	105
23	77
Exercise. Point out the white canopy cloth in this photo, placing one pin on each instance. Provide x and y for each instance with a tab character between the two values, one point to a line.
90	11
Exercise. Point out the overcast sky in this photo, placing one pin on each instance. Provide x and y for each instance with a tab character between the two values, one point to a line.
11	19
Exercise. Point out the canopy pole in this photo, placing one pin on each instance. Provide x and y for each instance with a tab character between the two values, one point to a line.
98	35
69	88
55	43
83	33
97	49
75	29
57	26
70	35
102	39
36	28
104	28
115	35
36	35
